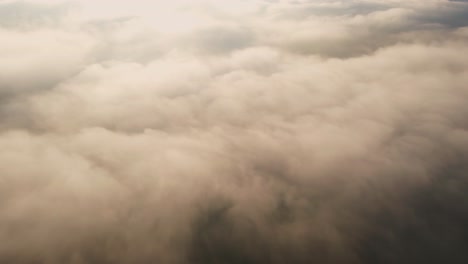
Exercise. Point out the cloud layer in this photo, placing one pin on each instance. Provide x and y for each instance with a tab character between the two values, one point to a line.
201	132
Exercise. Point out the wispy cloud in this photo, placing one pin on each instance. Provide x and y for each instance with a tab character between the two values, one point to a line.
234	132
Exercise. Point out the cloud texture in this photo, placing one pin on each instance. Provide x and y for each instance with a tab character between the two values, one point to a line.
253	132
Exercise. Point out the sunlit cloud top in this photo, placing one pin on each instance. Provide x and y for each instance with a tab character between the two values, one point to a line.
228	132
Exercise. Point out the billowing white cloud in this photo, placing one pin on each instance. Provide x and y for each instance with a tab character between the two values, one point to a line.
234	132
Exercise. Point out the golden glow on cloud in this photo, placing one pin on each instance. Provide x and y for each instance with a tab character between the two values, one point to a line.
223	131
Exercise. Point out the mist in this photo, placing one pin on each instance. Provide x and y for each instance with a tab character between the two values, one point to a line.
234	132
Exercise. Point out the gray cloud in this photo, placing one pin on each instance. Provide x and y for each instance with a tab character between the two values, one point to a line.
286	132
27	15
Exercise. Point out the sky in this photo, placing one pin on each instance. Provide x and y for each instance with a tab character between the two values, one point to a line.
233	132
